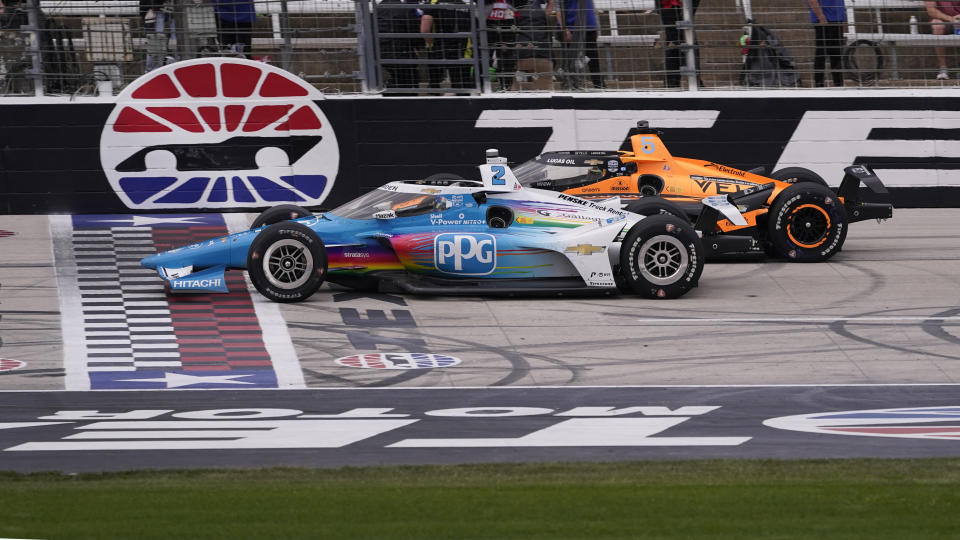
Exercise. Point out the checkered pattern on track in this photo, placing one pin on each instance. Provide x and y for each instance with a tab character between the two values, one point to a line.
133	334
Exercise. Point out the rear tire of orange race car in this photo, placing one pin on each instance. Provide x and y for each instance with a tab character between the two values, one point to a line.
797	175
807	223
654	206
661	257
287	262
281	212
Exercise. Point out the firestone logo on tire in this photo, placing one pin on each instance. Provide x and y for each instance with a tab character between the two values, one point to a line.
219	133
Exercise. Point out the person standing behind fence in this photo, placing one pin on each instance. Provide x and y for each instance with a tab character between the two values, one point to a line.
235	25
400	21
501	38
827	17
533	44
441	20
578	19
159	25
671	11
944	19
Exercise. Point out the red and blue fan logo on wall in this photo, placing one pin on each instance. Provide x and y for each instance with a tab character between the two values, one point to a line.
219	133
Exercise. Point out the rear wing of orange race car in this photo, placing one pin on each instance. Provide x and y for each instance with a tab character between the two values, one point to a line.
850	193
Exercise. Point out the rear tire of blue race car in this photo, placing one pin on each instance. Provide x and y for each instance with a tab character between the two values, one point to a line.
281	212
287	262
661	257
654	206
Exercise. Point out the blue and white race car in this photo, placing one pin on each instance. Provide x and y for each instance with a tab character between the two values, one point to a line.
448	235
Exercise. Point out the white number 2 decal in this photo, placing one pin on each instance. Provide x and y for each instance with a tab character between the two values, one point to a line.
498	172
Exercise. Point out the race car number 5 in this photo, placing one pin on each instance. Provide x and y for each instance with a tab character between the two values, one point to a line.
498	172
647	145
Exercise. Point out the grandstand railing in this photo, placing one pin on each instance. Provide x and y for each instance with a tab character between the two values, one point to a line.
88	47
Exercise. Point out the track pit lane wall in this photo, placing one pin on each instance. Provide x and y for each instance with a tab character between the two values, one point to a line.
330	428
66	157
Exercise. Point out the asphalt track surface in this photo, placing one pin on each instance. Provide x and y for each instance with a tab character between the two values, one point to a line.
885	311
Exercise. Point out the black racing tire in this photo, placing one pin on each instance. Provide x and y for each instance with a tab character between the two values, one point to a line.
797	175
807	223
281	212
655	206
661	257
287	262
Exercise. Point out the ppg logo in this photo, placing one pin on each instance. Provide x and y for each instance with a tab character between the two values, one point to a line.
467	254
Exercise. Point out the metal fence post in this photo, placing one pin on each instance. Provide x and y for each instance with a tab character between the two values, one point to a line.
482	48
690	70
285	52
33	16
366	47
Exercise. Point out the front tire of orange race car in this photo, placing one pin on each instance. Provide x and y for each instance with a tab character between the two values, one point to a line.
807	223
653	206
281	212
796	175
661	257
287	262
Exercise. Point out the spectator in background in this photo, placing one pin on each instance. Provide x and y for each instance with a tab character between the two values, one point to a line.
235	25
159	25
438	20
400	21
533	44
671	11
828	17
502	40
578	20
12	17
944	19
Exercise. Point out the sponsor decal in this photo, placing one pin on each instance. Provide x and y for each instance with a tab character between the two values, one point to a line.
726	170
398	361
7	364
909	423
187	283
561	161
218	133
720	185
585	249
469	254
275	428
440	219
613	166
592	162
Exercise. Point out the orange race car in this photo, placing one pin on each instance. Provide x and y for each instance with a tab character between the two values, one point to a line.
791	213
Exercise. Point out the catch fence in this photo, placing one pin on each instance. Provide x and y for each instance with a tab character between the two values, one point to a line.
456	47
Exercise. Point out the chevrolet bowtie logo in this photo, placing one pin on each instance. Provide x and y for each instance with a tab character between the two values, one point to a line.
584	249
593	162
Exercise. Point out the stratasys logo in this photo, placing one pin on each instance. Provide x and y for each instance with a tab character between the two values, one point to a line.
912	423
218	133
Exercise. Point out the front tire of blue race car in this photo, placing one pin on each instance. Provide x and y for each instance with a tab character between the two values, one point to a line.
287	262
281	212
661	257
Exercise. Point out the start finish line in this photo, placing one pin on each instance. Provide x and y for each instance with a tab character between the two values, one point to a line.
326	428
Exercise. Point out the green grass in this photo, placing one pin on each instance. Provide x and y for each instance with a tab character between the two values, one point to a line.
829	499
